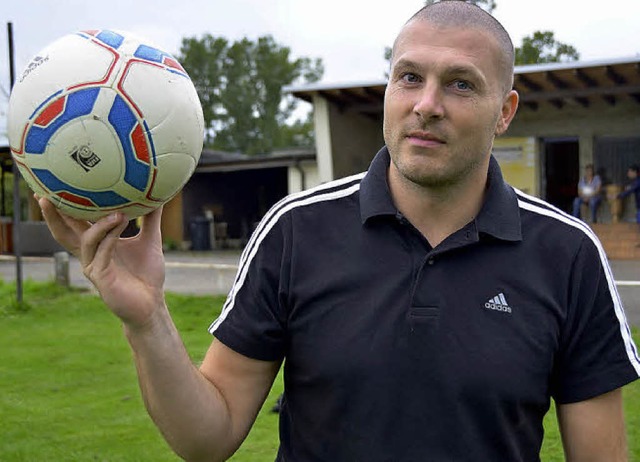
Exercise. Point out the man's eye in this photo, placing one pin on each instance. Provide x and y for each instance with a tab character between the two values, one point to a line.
409	77
462	85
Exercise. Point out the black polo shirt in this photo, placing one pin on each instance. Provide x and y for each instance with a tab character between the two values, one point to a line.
396	351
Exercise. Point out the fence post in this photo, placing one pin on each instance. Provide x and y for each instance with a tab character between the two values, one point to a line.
61	260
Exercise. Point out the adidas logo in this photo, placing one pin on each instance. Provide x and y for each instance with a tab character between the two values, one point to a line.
498	303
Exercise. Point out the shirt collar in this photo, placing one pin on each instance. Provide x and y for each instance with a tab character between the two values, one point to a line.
375	196
499	216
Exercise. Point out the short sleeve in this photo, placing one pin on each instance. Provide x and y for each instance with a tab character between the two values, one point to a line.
597	181
597	353
253	318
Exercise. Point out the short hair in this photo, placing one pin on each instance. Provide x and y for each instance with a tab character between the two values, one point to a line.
635	168
459	13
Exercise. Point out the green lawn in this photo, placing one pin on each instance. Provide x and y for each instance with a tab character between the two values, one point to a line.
69	391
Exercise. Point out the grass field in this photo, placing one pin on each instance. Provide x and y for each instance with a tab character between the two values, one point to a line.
69	390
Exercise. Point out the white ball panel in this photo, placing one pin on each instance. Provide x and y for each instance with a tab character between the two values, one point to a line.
86	154
174	170
171	108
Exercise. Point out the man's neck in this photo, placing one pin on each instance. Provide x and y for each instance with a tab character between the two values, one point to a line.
438	212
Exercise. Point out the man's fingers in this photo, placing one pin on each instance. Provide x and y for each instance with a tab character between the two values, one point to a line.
65	230
101	238
150	225
106	248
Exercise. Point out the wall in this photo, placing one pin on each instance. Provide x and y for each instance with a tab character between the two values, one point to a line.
355	139
346	140
600	119
172	225
518	162
311	176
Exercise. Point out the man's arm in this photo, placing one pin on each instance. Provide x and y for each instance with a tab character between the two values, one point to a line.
593	430
598	184
630	189
203	414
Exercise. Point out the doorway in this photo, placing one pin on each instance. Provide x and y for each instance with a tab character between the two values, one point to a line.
561	171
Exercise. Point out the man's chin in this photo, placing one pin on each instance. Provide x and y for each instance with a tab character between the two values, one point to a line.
429	177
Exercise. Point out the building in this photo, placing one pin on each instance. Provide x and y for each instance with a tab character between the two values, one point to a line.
570	115
230	192
219	206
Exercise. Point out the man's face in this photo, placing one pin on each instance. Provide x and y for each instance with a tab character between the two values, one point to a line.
632	174
444	103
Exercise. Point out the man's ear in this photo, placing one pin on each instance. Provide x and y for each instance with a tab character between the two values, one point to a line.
508	111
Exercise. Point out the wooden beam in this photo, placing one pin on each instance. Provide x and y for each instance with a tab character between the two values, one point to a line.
556	81
557	103
581	93
584	78
560	85
531	85
613	76
332	99
350	95
582	101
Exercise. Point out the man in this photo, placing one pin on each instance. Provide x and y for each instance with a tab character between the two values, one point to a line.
633	188
589	188
426	310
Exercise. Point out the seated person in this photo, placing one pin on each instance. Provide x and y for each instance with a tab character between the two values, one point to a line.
589	188
633	188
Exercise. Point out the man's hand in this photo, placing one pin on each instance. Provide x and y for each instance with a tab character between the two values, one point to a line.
128	272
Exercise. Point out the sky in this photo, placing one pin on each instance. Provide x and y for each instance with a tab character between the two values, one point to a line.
349	35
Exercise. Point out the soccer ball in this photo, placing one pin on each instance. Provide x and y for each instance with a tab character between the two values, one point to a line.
100	121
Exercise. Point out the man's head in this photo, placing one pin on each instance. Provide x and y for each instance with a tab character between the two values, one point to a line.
455	13
449	94
632	172
588	170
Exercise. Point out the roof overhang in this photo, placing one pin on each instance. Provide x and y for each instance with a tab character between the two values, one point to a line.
557	84
219	161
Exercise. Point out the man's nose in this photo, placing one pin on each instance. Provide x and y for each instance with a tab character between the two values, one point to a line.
430	103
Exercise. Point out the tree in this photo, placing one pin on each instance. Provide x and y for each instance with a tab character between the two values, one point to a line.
240	87
542	47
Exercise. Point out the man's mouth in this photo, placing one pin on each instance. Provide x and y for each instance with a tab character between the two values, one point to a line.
424	138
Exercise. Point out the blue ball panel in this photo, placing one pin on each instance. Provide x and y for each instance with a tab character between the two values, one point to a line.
78	104
150	54
113	39
136	174
100	198
158	56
